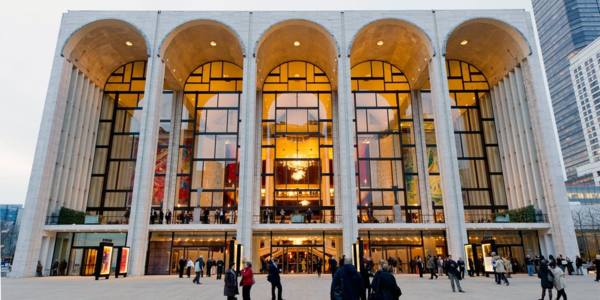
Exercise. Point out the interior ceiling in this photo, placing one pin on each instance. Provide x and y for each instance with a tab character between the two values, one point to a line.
493	47
276	46
404	46
99	48
189	46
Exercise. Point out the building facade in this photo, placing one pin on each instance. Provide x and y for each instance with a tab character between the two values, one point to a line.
294	133
564	28
10	221
585	67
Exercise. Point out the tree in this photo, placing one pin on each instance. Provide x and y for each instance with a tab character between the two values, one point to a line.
580	224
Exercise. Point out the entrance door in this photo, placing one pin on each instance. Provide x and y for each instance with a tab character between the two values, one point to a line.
75	262
89	261
175	257
377	254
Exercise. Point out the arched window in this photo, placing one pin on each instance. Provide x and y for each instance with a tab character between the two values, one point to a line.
385	144
297	141
208	144
479	163
117	142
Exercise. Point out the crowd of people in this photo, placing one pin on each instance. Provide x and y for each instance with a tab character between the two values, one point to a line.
157	216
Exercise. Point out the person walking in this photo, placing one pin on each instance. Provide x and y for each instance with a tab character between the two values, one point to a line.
500	268
220	265
561	263
348	283
431	266
578	265
319	265
189	266
198	268
182	264
453	274
507	267
209	264
231	287
365	274
461	267
547	278
529	265
39	269
332	266
384	283
597	263
275	280
247	280
560	282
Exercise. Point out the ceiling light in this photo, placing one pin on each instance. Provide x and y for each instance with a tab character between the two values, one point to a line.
379	43
173	70
296	43
297	75
128	43
213	43
464	42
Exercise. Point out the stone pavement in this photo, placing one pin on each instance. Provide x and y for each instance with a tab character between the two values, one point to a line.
295	287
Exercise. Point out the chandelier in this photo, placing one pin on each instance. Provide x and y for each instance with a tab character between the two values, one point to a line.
298	167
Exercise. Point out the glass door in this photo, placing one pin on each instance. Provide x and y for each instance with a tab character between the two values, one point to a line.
377	254
175	257
75	261
516	253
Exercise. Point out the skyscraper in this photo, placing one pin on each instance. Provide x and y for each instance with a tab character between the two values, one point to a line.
565	27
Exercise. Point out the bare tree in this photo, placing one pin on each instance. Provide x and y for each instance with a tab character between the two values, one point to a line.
580	227
593	219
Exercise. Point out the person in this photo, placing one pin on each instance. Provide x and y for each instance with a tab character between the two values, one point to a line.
189	266
529	265
500	268
370	216
206	213
431	266
342	260
471	266
494	258
561	263
303	264
440	266
209	265
127	215
161	216
420	266
384	283
319	265
366	275
461	267
560	282
597	263
232	217
220	265
198	268
182	216
168	216
578	265
182	264
349	281
570	268
152	216
63	267
39	269
222	216
332	266
247	280
399	264
281	216
272	215
507	266
55	268
547	278
217	216
275	279
453	274
231	287
309	215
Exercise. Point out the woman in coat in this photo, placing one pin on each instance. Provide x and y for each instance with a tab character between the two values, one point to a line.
247	280
543	273
231	288
365	274
570	268
560	282
384	283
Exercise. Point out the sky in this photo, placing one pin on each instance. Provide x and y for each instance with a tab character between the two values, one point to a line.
29	30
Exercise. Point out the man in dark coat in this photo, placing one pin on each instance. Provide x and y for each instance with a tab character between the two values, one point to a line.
55	268
342	259
365	274
182	264
578	265
161	216
453	273
332	266
63	267
350	281
309	215
275	280
209	265
152	216
471	267
220	265
318	266
461	267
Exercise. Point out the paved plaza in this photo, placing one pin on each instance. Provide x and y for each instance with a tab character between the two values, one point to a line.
295	287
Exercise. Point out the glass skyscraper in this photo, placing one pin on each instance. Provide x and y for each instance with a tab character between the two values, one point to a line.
565	27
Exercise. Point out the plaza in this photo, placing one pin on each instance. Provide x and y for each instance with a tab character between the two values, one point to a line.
295	287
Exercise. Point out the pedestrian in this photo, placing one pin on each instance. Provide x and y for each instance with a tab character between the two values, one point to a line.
232	217
220	265
453	274
55	268
63	267
168	216
342	261
500	268
370	216
231	287
209	265
319	265
303	263
471	266
508	267
570	268
420	266
431	266
281	216
127	215
440	264
597	263
560	282
309	214
222	216
217	216
461	267
189	266
578	265
384	283
366	275
206	215
400	264
547	278
561	262
182	264
198	268
529	265
347	283
247	280
275	280
161	216
332	266
152	216
39	269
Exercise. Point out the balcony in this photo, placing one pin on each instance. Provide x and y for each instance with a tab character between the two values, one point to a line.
89	220
505	218
374	215
319	215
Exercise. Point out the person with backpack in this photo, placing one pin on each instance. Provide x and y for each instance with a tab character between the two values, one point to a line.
198	268
347	283
384	283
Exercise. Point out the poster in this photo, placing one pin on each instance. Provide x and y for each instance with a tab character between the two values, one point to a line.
123	268
469	254
106	260
487	257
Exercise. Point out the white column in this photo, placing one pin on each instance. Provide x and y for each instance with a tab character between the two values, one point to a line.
422	165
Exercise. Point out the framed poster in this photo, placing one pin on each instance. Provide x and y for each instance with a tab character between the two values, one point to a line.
124	265
487	257
469	254
106	260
